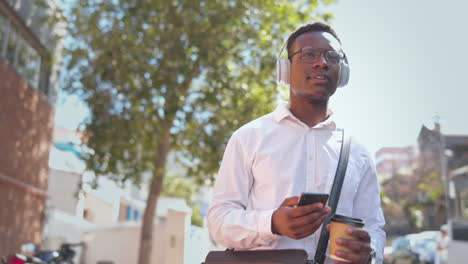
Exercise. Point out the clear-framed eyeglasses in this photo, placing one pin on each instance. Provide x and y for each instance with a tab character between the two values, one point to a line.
311	54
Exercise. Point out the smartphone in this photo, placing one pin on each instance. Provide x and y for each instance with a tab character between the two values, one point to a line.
312	197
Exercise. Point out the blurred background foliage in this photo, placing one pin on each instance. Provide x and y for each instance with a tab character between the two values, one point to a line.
198	69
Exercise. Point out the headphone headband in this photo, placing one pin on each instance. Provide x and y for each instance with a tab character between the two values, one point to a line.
283	69
281	51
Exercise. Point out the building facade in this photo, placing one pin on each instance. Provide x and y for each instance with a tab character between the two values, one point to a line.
420	185
389	160
28	88
111	212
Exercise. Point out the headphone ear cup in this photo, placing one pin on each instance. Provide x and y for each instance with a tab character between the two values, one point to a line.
344	74
283	71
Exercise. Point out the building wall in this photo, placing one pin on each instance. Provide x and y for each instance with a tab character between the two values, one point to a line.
98	211
63	188
391	159
120	244
173	242
26	122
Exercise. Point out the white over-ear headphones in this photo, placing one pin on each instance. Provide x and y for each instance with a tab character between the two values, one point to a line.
283	70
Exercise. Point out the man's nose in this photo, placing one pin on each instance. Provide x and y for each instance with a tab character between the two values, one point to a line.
320	62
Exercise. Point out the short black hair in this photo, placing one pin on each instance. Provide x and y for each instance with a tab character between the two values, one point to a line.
312	27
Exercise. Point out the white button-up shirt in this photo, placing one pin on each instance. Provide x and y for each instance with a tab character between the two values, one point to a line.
278	156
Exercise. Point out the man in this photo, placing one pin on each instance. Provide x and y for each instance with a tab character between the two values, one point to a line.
270	161
442	246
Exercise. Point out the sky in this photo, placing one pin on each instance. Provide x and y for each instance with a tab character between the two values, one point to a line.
408	65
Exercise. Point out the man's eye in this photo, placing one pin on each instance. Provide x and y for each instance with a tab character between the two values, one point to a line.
334	59
334	56
310	54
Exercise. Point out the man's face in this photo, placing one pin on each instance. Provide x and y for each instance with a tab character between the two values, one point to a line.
316	80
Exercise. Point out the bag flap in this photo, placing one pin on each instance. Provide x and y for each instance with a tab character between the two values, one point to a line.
286	256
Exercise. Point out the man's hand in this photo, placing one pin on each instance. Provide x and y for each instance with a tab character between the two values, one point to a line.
297	222
360	248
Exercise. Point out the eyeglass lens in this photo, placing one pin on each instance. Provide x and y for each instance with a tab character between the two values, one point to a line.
312	54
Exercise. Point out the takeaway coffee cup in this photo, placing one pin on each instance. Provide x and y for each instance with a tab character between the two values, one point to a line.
338	226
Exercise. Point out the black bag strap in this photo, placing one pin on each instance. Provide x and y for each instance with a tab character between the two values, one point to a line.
320	253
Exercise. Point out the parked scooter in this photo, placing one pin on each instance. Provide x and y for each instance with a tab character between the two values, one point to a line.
21	259
64	255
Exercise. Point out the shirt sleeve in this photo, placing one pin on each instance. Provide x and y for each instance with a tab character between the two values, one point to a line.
368	207
229	223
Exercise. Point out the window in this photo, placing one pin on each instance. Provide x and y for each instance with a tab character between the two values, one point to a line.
11	45
136	215
129	213
28	63
88	215
19	53
3	32
464	204
132	214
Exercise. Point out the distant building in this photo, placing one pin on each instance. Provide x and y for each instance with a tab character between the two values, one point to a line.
28	88
429	144
413	180
390	160
111	213
71	210
457	171
459	193
456	151
440	154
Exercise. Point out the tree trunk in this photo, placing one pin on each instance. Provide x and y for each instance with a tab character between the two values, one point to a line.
146	236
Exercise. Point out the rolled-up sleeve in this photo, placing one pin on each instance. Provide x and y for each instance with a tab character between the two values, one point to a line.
229	223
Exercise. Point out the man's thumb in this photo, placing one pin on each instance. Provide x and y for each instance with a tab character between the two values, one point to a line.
290	201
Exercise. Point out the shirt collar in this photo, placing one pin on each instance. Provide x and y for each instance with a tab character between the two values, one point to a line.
283	111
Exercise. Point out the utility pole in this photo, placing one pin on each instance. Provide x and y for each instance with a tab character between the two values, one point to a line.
443	168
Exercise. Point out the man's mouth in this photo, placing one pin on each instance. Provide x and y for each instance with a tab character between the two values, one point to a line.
318	77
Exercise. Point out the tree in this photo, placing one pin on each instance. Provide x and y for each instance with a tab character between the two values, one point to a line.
181	75
196	219
180	187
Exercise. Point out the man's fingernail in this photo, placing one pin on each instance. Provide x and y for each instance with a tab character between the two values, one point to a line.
340	253
340	241
350	231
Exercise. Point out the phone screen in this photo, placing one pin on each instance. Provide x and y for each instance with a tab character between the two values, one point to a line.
312	197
